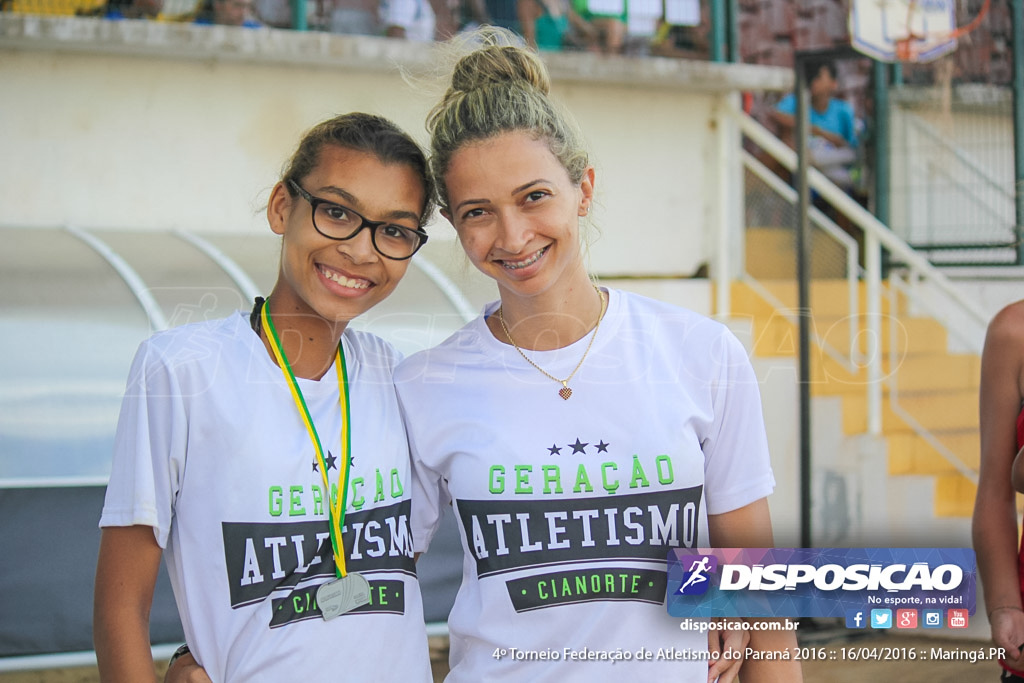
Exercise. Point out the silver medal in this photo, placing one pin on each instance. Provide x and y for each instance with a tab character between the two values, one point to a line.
342	595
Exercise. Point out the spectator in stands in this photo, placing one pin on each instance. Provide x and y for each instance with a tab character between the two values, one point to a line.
422	20
833	134
357	17
547	25
503	13
227	13
683	41
276	13
608	18
126	9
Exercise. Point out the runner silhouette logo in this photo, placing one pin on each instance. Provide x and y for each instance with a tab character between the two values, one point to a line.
696	578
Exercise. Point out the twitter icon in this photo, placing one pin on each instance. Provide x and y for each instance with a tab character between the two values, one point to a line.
881	618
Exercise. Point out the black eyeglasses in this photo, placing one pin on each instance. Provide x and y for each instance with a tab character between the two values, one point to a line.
338	222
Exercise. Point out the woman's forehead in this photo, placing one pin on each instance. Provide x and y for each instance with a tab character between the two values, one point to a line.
510	159
365	180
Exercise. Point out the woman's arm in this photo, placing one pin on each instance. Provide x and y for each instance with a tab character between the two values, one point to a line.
587	31
528	11
1017	476
751	527
126	574
994	525
185	669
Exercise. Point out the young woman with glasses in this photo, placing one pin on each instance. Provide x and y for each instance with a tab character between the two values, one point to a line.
264	456
579	432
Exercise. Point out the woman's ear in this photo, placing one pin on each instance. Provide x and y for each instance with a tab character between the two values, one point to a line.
586	190
278	208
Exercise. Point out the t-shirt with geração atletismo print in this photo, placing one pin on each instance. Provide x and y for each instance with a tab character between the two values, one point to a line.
568	508
211	452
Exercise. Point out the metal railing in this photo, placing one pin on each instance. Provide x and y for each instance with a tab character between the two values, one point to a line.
967	210
850	358
958	314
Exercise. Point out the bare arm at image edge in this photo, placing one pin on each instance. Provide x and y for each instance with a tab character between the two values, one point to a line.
444	20
126	572
751	527
994	525
185	669
527	11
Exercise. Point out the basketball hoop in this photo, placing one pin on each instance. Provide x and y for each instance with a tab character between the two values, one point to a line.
903	30
907	49
908	30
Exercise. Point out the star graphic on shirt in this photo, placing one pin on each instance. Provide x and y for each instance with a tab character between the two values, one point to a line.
332	461
555	450
351	461
602	447
316	468
578	447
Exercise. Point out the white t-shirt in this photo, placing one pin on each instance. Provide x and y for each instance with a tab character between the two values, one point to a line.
210	451
415	16
568	508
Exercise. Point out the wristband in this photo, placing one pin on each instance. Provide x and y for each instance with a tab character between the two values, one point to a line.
183	650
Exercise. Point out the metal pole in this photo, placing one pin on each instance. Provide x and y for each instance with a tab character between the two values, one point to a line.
1017	7
734	31
803	270
803	235
299	15
873	305
882	137
730	194
718	21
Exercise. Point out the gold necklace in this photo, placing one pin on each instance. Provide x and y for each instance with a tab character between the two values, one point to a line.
565	392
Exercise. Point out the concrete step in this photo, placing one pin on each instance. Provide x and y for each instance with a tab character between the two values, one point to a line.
916	373
954	496
935	411
776	335
771	254
936	389
829	297
913	454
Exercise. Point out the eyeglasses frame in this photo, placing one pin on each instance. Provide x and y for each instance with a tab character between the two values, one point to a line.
365	222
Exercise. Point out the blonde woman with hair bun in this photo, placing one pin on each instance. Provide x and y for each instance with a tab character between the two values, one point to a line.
578	432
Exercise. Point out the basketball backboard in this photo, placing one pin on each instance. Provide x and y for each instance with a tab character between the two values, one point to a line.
903	30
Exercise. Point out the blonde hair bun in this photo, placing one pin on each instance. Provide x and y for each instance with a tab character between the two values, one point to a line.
498	57
498	85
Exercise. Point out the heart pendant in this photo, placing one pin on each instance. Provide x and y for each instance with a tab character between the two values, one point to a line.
565	393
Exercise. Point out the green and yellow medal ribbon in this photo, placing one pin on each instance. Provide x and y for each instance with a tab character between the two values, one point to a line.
335	506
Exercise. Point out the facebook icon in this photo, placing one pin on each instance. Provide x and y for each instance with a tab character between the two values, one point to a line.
855	618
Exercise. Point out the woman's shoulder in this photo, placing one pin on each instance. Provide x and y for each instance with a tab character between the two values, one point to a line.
1009	321
1010	314
679	330
367	345
658	310
209	334
460	346
1007	326
190	351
